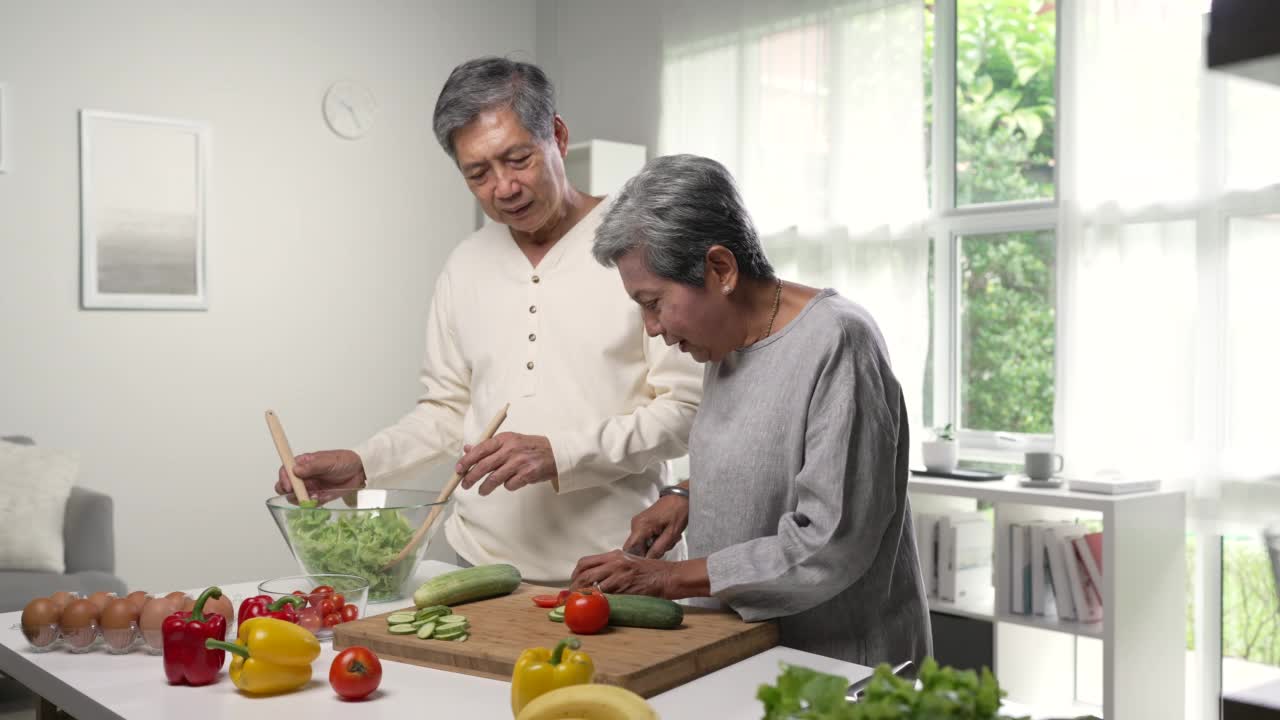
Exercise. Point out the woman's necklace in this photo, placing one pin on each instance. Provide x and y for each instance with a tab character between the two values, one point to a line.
777	298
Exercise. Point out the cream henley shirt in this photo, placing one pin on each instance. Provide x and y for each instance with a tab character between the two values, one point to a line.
566	347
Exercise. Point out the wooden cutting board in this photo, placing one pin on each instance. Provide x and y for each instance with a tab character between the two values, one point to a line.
642	660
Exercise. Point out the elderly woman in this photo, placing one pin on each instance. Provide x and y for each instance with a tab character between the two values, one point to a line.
797	507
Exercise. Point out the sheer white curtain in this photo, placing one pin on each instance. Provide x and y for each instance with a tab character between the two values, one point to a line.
817	110
1168	339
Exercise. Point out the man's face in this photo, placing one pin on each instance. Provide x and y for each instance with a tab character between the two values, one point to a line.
518	179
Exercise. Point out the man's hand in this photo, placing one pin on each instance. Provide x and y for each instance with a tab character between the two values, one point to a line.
658	529
326	474
623	573
511	460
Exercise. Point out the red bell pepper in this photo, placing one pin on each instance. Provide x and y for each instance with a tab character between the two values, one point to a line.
286	608
186	659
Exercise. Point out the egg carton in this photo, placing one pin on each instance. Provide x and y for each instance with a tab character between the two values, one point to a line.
115	641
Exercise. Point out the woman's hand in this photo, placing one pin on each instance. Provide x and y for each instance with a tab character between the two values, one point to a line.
657	529
625	574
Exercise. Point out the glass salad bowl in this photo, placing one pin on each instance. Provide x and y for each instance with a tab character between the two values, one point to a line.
360	533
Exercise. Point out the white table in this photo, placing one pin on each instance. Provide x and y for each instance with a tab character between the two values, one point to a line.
97	685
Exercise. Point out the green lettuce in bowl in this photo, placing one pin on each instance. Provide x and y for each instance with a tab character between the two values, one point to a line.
360	533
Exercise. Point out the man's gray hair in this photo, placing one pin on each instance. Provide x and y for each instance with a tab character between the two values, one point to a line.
676	209
491	83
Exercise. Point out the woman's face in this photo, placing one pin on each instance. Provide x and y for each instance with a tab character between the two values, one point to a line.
695	318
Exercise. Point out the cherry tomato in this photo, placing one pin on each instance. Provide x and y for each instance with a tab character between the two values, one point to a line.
586	612
355	673
349	613
299	593
545	601
323	590
310	619
338	600
332	619
327	607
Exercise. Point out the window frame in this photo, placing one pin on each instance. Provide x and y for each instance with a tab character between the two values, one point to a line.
949	222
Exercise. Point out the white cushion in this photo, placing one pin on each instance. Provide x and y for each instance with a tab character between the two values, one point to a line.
34	485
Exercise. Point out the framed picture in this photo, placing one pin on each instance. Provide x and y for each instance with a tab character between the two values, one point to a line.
142	196
4	128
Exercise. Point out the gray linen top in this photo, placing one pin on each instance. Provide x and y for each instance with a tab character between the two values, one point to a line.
798	489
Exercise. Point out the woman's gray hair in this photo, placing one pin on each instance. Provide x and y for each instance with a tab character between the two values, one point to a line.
676	209
490	83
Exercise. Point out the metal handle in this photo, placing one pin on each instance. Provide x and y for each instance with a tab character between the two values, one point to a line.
854	693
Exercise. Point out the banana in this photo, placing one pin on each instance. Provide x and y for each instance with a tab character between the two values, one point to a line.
588	702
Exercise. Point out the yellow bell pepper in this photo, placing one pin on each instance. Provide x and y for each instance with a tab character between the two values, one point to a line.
271	656
539	670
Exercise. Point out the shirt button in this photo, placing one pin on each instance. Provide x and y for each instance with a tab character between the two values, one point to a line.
536	279
532	337
533	308
529	364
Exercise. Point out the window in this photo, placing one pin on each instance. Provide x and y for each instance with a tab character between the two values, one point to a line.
1005	100
993	192
1006	332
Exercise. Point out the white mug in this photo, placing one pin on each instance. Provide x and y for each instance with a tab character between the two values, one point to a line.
1042	465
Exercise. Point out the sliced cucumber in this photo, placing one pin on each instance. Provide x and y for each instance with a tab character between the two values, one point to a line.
449	633
400	618
461	639
453	618
402	629
425	631
554	616
433	611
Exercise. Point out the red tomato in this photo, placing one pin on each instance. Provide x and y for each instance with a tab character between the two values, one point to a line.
355	673
299	593
310	619
327	607
332	619
349	613
586	612
338	600
545	601
563	597
323	590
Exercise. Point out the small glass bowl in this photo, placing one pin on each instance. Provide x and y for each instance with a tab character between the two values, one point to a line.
353	588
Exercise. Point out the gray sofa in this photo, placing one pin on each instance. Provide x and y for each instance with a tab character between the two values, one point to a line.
89	537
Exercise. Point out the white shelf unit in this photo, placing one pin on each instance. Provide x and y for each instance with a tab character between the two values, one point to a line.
601	167
1143	630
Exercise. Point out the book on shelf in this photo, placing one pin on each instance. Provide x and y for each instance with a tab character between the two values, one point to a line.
926	527
1062	595
964	556
1030	590
1042	602
1020	569
1112	483
1091	566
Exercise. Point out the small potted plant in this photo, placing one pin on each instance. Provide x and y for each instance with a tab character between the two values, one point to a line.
941	453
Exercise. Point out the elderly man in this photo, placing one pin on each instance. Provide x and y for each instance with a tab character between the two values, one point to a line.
522	314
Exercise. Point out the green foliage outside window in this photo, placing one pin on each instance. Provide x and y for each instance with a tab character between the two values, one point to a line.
1005	129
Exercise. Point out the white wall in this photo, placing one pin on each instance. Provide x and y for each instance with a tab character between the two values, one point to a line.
322	253
605	57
